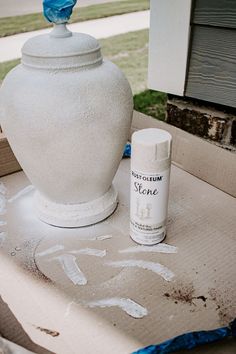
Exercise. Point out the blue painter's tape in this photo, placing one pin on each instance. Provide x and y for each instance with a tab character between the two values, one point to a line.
127	151
190	340
58	11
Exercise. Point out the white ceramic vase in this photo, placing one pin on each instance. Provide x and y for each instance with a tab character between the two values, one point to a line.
67	114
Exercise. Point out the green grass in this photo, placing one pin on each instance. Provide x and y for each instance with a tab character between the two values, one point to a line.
32	22
7	66
152	103
130	52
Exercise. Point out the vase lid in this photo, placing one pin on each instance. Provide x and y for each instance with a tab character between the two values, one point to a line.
61	49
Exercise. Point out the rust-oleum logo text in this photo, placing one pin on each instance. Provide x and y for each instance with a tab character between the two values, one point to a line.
144	188
147	178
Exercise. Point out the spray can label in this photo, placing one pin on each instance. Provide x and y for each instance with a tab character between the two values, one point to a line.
148	205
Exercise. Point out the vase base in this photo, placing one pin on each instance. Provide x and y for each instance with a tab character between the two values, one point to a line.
76	215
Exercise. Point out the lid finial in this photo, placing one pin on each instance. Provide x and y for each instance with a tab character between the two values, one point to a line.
60	31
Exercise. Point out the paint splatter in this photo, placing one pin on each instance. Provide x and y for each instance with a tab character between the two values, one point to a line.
129	306
185	293
3	236
50	250
96	238
49	331
160	248
181	293
3	189
90	252
224	300
103	237
2	204
3	223
71	269
157	268
21	193
68	308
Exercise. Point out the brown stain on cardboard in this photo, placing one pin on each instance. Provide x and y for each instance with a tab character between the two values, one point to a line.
181	293
225	307
29	263
38	274
48	331
184	293
12	329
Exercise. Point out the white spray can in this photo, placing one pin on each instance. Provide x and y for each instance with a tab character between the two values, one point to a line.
150	175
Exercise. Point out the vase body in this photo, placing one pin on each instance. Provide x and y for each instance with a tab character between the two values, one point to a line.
67	116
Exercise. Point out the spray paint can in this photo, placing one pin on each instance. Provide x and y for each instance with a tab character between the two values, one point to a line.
150	175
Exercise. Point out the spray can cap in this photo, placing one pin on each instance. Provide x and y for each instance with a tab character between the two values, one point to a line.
151	150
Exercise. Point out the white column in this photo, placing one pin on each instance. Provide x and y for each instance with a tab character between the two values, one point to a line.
169	44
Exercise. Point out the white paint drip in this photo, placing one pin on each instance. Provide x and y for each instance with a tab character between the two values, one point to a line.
97	238
3	189
157	268
3	223
103	237
21	193
160	248
71	269
3	236
131	307
50	250
2	204
90	252
68	308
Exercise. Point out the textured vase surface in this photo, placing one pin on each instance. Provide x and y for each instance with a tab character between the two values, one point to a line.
67	114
